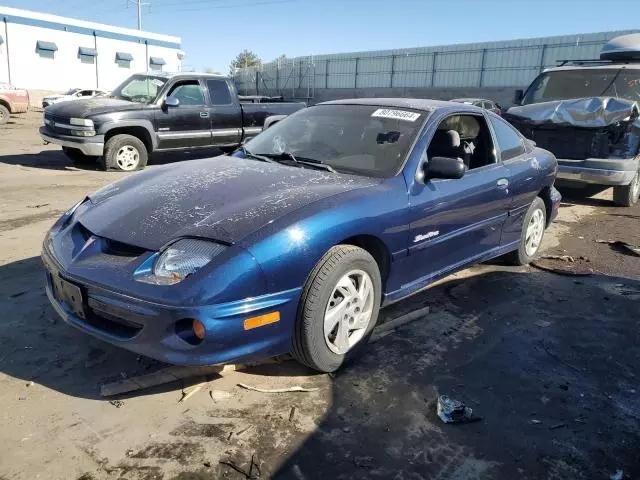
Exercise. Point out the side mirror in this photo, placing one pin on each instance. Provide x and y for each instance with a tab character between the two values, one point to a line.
444	167
272	120
518	96
171	102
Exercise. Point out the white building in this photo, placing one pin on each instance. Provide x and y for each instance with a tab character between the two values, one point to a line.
48	52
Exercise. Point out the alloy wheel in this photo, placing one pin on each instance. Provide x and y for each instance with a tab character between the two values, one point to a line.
348	312
128	158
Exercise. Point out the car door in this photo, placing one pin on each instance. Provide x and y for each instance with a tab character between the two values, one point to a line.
455	222
524	169
187	124
225	113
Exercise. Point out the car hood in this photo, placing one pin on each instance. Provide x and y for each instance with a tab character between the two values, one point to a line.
222	198
83	108
593	112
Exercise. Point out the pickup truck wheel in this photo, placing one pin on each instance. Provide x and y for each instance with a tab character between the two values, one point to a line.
77	157
338	309
627	195
125	153
4	114
533	226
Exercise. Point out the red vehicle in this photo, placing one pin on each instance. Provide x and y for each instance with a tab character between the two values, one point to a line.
12	100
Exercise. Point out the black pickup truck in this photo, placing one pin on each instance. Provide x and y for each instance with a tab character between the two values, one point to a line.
155	112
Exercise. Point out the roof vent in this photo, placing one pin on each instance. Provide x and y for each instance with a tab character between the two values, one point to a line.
625	47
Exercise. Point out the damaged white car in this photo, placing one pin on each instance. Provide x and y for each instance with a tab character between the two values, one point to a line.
72	94
586	112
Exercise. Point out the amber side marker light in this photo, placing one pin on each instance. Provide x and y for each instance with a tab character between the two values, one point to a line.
198	329
266	319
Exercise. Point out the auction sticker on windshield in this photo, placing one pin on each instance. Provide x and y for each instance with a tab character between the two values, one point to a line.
396	114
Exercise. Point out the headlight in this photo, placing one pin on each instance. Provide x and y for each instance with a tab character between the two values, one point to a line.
81	122
181	259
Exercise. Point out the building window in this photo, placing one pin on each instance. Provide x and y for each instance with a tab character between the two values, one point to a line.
156	63
87	55
123	59
46	49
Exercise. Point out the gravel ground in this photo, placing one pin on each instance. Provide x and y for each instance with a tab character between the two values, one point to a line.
549	362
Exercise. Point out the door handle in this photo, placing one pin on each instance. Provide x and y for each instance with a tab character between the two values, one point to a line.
204	114
502	183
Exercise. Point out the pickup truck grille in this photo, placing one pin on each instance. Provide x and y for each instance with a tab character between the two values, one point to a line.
570	143
50	122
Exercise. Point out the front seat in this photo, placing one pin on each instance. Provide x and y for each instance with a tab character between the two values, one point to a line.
445	143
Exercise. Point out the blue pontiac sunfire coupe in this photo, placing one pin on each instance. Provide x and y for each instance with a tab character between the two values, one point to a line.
294	242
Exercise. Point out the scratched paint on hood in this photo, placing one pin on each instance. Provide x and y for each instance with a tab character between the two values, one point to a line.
222	198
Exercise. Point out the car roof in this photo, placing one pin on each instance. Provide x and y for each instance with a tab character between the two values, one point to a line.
470	100
152	73
629	66
424	104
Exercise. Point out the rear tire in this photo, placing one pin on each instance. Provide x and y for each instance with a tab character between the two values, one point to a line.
4	114
627	195
124	153
533	226
77	157
345	285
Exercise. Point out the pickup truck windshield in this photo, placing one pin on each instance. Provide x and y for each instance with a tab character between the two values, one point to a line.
600	82
361	139
140	88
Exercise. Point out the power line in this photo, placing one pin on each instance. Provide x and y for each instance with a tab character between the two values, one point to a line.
252	4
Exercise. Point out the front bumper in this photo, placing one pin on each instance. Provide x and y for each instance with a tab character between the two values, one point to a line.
598	171
91	146
153	330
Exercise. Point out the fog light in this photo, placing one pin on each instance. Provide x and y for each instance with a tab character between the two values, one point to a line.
198	329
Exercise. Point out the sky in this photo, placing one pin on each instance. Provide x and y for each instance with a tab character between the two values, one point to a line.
213	32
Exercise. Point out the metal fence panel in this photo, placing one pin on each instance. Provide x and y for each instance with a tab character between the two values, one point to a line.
491	64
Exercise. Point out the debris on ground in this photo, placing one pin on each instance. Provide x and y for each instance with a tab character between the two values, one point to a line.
278	390
254	469
363	462
167	375
624	247
618	475
30	384
454	411
117	403
190	392
542	323
217	395
564	258
292	414
39	205
385	328
564	265
557	425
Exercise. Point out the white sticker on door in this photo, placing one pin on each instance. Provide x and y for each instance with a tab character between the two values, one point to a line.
396	114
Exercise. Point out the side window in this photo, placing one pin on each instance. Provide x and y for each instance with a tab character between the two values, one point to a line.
219	92
466	137
509	140
86	93
188	93
488	105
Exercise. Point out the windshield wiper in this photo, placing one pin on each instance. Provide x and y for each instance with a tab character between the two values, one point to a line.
311	162
254	155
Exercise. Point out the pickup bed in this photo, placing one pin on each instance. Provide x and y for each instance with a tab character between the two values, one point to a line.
155	112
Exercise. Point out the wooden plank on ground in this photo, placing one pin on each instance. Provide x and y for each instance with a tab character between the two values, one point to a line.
166	375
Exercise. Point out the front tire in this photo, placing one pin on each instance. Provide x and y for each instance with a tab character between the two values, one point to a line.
338	309
4	114
77	157
125	153
533	226
627	195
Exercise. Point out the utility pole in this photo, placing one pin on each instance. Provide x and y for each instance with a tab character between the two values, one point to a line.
139	4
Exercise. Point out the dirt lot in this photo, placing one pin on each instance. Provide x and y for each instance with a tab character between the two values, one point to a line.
549	362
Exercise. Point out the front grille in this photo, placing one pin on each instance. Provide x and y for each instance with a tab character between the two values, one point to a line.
51	120
570	143
114	247
105	317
